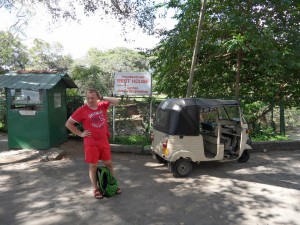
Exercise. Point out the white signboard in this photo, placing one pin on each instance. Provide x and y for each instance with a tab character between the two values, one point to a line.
132	84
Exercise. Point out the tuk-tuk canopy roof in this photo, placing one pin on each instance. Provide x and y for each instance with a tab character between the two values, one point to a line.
180	116
34	80
178	103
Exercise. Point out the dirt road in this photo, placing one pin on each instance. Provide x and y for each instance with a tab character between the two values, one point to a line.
265	190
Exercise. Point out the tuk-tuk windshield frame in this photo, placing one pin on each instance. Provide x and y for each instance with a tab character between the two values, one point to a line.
229	113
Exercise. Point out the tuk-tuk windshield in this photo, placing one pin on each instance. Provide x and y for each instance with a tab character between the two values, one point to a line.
229	113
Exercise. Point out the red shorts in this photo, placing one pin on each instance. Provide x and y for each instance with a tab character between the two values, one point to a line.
94	153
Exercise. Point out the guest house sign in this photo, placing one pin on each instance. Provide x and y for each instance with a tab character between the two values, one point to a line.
132	84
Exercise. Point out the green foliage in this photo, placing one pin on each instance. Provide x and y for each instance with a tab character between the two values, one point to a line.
74	101
3	124
3	127
265	33
90	77
46	56
137	140
42	56
118	60
266	133
264	120
253	110
102	65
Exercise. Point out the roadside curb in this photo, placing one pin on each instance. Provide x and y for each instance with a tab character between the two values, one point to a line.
263	146
130	149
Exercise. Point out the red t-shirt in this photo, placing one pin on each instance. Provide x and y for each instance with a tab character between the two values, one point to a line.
95	121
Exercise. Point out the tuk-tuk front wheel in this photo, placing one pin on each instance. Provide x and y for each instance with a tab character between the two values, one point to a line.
245	156
182	167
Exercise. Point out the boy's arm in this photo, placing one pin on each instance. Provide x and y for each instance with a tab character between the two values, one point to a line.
113	101
70	124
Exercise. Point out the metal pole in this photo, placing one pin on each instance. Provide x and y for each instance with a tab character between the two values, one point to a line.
114	129
114	125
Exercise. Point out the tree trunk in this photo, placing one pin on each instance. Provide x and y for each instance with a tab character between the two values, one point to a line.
238	74
190	81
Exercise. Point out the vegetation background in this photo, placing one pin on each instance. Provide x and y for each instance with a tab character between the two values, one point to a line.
248	50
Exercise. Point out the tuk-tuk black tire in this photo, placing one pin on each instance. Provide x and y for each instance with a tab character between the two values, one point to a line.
160	159
245	156
182	167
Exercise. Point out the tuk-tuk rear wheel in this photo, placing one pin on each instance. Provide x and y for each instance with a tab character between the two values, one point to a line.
182	167
159	158
245	156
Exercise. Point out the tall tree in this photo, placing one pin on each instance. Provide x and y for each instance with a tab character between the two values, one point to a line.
248	48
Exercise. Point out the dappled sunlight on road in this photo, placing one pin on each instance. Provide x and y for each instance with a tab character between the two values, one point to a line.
59	192
256	170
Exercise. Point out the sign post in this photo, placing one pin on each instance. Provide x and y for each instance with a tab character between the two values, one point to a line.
132	84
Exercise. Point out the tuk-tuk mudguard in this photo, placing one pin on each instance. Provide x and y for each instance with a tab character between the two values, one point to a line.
183	154
248	146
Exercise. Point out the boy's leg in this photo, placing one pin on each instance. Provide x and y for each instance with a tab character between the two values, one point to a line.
92	174
105	156
91	157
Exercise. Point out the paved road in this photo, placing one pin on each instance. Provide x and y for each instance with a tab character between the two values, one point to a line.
265	190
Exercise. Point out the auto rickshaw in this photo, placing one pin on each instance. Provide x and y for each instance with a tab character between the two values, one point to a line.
193	130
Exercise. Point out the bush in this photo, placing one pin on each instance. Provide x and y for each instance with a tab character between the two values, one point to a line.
138	140
266	133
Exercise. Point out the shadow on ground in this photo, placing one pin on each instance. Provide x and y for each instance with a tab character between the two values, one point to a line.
262	191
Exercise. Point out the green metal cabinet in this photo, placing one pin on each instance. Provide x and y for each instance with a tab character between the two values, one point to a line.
36	109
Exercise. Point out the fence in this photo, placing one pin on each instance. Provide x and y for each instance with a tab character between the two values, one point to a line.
133	115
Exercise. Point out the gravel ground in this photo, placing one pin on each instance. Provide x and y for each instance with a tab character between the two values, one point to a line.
264	191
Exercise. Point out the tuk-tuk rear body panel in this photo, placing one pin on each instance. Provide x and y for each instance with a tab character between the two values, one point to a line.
187	147
178	122
175	143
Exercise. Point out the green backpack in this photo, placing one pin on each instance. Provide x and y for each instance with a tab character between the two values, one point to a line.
107	183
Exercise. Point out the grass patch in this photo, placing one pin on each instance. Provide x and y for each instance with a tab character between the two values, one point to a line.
138	140
268	138
2	128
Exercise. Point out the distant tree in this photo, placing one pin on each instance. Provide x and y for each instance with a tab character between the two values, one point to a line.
14	55
118	60
89	77
114	60
46	56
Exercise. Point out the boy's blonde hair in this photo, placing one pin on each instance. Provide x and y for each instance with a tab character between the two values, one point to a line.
93	90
